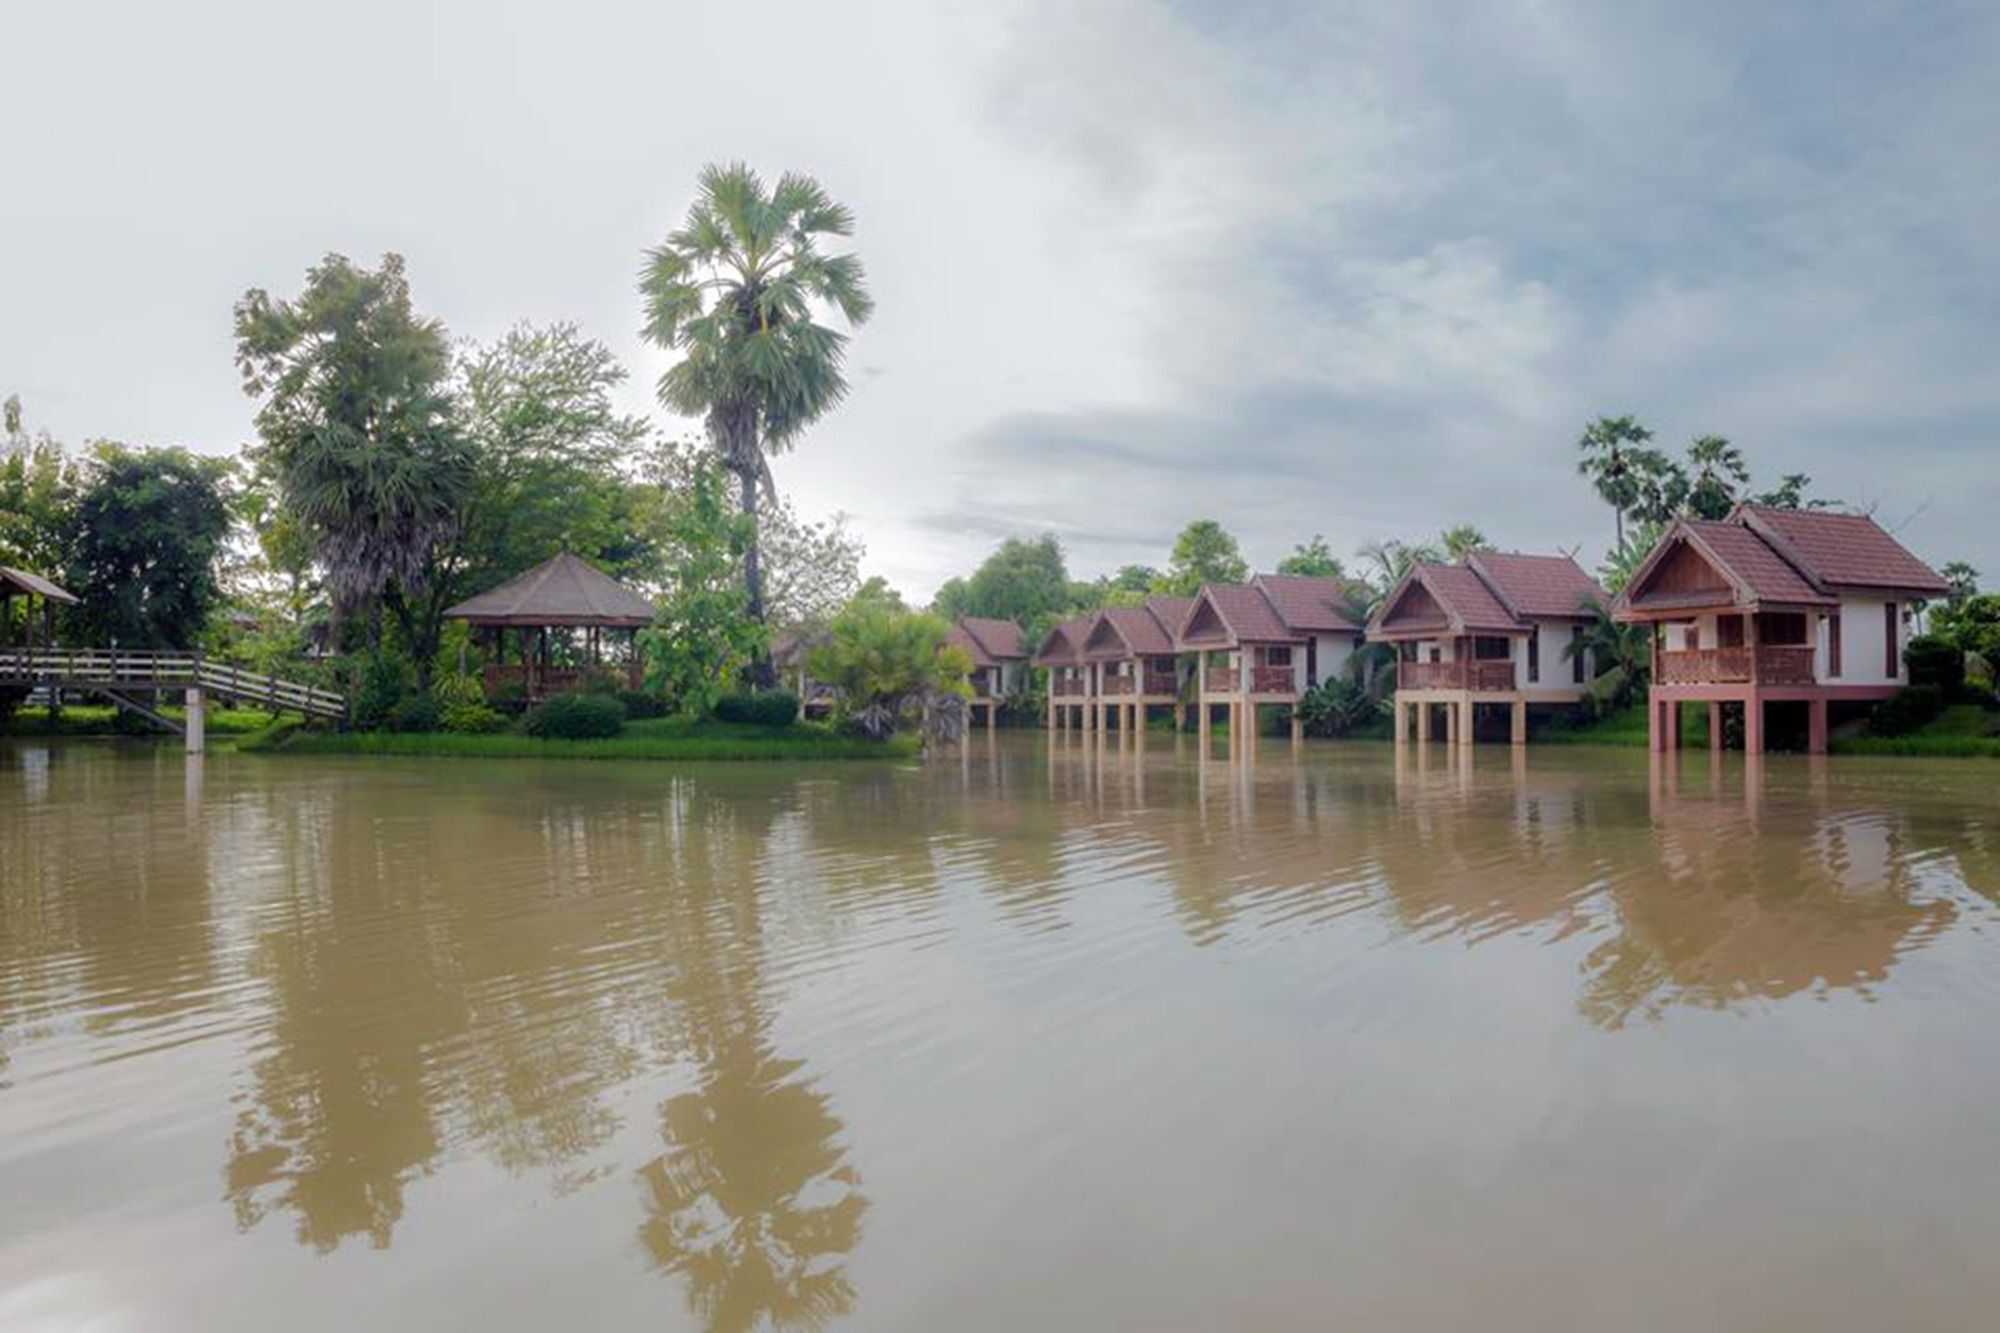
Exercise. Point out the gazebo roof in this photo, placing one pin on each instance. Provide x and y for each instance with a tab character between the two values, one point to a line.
34	585
563	590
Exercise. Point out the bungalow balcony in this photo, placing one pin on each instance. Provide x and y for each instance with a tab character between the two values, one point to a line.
1263	680
1493	676
1117	685
1067	687
1160	683
1765	664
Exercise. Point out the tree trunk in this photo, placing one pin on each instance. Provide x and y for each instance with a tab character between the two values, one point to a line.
762	675
733	431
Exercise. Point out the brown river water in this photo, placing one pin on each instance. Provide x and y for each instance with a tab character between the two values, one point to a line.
1055	1037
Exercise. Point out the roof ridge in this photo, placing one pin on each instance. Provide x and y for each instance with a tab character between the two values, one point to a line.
1486	576
1784	546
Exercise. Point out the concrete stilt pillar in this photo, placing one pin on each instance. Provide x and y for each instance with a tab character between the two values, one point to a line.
1714	726
1517	730
1202	723
1670	725
1466	729
1816	726
1753	725
1400	720
1451	723
1423	722
1298	727
197	722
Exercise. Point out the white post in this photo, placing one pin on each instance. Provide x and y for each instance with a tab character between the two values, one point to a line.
197	722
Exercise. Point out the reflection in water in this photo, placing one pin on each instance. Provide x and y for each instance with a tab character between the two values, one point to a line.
666	999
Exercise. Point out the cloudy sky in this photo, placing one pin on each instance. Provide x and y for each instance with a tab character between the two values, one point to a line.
1359	269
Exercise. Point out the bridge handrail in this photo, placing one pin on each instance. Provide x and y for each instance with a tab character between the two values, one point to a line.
157	668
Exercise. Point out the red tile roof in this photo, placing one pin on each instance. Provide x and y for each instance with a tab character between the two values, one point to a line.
990	642
1843	550
1134	630
1309	605
1466	598
1537	585
1064	644
1759	567
1170	612
1247	616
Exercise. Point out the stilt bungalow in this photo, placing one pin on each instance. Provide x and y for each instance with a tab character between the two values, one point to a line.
788	659
1071	697
1130	652
1493	631
1799	608
1267	641
576	600
999	652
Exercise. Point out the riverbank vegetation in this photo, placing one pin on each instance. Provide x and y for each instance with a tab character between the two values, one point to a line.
680	739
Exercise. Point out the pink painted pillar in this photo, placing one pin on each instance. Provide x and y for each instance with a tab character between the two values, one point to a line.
1816	726
1715	726
1753	723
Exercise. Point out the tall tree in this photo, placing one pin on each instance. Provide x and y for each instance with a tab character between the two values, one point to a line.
38	486
1204	552
1024	580
149	532
357	432
1618	461
1963	578
703	639
1716	472
1314	558
735	290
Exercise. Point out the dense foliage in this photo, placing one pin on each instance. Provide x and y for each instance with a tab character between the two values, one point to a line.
765	708
144	546
705	636
574	717
888	667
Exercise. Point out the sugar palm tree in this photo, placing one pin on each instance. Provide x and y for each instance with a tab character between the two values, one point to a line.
737	290
1617	461
1716	469
1462	540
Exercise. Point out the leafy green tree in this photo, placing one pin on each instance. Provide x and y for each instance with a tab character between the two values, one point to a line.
735	291
1964	581
148	537
950	599
1314	559
1790	493
1462	540
1621	564
1390	559
875	591
887	665
1131	585
1716	473
705	637
1025	580
357	434
1204	552
38	486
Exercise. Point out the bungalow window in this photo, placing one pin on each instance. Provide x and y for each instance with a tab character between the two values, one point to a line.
1889	628
1833	645
1534	654
1278	657
1576	651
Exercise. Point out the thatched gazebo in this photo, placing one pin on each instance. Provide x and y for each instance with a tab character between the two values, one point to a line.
563	594
31	588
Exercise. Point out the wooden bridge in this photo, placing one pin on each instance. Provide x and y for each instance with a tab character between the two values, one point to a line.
122	675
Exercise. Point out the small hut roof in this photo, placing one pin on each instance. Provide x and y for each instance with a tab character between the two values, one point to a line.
563	590
34	585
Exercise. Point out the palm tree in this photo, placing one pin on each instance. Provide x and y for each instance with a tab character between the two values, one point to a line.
1717	469
1621	655
735	291
1461	541
1617	462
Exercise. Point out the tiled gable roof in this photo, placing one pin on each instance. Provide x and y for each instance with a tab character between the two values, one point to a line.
1467	600
1844	550
990	642
1537	585
1133	630
1308	604
1754	563
1247	613
1171	612
1064	644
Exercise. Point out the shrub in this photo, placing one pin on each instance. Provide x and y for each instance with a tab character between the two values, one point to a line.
457	687
1936	661
472	719
771	708
1906	710
640	706
416	713
1337	707
575	717
511	698
384	681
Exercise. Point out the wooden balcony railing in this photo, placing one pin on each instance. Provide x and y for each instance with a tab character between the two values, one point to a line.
540	681
1066	686
1162	683
1272	680
1494	676
1221	680
1117	685
1764	665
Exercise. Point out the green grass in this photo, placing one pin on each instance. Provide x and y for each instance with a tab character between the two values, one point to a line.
1625	727
96	720
1962	731
662	738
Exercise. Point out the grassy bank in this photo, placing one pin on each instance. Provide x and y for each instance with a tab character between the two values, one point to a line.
97	720
1963	731
665	738
1625	726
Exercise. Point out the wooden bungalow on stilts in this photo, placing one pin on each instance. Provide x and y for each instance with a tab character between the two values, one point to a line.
1071	695
999	653
1774	606
1496	630
579	602
1267	642
1131	655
